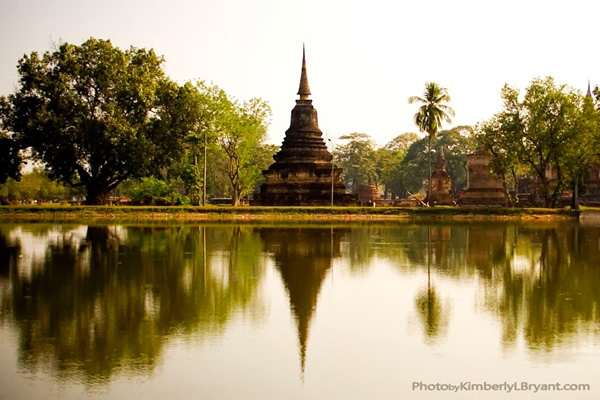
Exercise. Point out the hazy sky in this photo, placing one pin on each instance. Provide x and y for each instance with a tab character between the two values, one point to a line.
365	58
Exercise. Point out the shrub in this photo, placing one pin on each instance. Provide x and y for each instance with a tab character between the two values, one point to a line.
149	191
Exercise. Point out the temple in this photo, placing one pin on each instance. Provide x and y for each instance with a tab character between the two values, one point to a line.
441	185
483	189
367	195
303	173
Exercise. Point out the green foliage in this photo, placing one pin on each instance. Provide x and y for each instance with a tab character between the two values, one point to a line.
132	325
457	143
223	150
34	186
217	180
413	170
401	143
548	133
208	107
401	165
96	115
432	113
389	163
585	150
243	128
289	214
356	155
152	191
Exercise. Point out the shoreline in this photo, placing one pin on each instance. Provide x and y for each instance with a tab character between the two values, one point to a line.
246	213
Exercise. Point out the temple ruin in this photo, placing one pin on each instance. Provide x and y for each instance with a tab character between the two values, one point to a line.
441	184
303	173
483	189
367	195
592	196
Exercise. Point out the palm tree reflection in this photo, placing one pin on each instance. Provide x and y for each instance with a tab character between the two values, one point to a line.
433	313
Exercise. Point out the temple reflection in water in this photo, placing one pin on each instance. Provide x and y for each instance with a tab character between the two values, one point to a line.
303	257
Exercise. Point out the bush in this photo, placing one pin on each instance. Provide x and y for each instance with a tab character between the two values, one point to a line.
149	191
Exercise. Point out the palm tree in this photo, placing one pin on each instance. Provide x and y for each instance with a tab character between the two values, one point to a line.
431	114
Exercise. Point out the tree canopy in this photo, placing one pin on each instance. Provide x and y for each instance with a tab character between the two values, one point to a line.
548	133
356	155
96	115
243	131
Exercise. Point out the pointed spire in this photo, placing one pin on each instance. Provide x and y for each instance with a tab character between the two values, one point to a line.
304	90
303	330
589	91
441	161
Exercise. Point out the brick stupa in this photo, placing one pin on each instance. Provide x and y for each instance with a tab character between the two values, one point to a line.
441	184
483	189
302	172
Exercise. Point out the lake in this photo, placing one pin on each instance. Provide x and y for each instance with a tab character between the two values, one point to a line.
392	310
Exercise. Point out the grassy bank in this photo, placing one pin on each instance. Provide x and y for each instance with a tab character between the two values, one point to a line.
66	212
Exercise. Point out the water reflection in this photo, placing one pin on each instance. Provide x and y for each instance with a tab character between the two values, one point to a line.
303	257
93	303
548	289
89	302
434	312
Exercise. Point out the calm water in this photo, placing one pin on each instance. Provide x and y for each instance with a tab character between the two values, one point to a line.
281	312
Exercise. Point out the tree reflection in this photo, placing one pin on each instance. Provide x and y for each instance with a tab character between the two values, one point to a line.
108	301
550	293
9	253
433	314
303	257
540	279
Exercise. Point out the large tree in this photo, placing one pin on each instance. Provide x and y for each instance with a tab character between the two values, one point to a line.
549	132
242	129
356	155
389	163
584	150
432	113
206	108
96	115
505	162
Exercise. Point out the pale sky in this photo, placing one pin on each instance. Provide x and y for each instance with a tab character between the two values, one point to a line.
364	58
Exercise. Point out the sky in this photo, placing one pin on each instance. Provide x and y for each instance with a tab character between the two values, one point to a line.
364	58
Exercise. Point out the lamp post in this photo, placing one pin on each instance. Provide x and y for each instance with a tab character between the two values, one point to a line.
332	170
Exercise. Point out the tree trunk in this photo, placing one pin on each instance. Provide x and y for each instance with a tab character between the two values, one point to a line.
204	173
546	190
509	198
575	197
196	197
235	196
515	187
95	194
558	189
430	172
